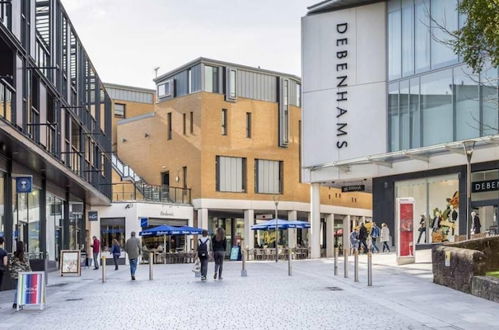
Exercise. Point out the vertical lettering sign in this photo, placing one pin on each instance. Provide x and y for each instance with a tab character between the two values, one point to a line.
341	84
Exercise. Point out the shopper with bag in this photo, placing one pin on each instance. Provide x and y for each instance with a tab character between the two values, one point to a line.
203	248
18	263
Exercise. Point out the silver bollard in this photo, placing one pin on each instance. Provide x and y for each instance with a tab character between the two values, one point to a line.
103	266
335	261
345	263
289	262
244	255
356	266
151	261
369	269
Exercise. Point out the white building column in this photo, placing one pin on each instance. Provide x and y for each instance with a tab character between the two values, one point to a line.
292	215
346	233
315	221
203	218
330	235
249	237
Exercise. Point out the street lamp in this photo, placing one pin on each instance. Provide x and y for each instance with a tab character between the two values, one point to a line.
276	202
468	146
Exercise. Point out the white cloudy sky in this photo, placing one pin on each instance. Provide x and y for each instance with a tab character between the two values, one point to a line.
126	39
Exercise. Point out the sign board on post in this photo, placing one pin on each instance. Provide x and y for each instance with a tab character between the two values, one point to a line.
31	289
234	253
24	184
144	222
93	216
70	262
404	228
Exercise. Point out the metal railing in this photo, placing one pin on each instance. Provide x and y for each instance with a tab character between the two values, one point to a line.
145	192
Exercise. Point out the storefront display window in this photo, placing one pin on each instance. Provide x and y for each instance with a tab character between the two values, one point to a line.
112	228
75	225
2	206
436	207
26	212
55	214
485	199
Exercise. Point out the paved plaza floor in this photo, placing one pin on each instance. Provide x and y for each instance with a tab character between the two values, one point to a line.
401	298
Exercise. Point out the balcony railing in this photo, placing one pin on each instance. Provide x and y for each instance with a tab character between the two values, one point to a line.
145	192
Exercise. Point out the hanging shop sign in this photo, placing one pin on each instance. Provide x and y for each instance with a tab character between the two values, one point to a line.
353	188
70	262
93	216
24	184
484	186
31	289
144	222
405	230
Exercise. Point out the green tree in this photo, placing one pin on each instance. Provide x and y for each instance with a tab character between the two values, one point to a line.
478	40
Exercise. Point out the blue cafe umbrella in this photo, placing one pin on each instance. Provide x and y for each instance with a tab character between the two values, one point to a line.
161	231
186	230
281	224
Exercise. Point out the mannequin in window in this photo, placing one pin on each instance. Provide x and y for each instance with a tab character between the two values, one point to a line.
436	220
453	218
476	225
422	228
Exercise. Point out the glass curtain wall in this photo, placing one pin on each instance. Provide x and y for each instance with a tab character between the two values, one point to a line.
432	98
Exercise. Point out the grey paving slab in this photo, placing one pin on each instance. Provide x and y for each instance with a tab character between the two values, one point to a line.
266	299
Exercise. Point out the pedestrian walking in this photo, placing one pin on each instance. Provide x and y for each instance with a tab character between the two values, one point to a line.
375	232
219	246
385	237
354	240
95	251
133	249
4	261
203	248
116	252
18	263
363	233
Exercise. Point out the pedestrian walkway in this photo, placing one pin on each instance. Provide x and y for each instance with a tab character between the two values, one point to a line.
401	298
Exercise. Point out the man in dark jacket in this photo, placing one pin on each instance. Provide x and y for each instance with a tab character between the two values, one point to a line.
363	237
95	250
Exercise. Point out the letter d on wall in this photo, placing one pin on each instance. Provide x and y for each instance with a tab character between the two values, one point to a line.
342	28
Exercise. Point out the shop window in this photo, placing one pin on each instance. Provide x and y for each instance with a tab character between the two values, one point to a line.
436	207
112	228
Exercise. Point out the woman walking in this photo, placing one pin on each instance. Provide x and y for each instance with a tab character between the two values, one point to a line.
219	244
116	252
18	263
385	236
203	248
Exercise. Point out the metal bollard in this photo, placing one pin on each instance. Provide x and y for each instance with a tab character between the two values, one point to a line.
103	266
244	255
369	269
356	266
335	261
289	262
151	261
345	263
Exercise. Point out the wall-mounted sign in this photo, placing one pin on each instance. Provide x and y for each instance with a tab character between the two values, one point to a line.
144	222
166	213
93	216
31	289
358	187
484	186
24	184
70	262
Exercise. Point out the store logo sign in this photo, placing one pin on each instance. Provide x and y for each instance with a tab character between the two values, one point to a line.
341	85
484	186
24	184
92	216
353	188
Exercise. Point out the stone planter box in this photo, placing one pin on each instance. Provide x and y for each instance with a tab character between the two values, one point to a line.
486	287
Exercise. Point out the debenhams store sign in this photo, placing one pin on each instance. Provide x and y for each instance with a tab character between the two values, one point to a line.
341	84
484	186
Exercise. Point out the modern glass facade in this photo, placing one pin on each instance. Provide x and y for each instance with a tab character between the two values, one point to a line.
432	97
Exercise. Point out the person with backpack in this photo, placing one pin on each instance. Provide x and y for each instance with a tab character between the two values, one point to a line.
18	263
375	232
219	246
203	248
116	252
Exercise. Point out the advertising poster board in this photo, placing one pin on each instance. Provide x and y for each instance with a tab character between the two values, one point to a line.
404	227
70	262
234	253
31	289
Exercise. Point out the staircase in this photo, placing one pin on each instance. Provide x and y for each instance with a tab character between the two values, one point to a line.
149	192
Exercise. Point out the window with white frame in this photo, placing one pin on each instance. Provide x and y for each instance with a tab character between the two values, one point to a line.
230	174
119	110
165	89
268	176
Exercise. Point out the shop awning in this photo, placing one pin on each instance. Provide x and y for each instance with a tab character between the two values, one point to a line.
281	224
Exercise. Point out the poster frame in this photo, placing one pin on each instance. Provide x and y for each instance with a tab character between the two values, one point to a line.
402	260
78	262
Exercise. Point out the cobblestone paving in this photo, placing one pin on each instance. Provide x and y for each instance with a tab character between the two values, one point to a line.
267	299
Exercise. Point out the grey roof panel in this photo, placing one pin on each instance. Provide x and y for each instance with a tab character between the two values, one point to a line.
332	5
